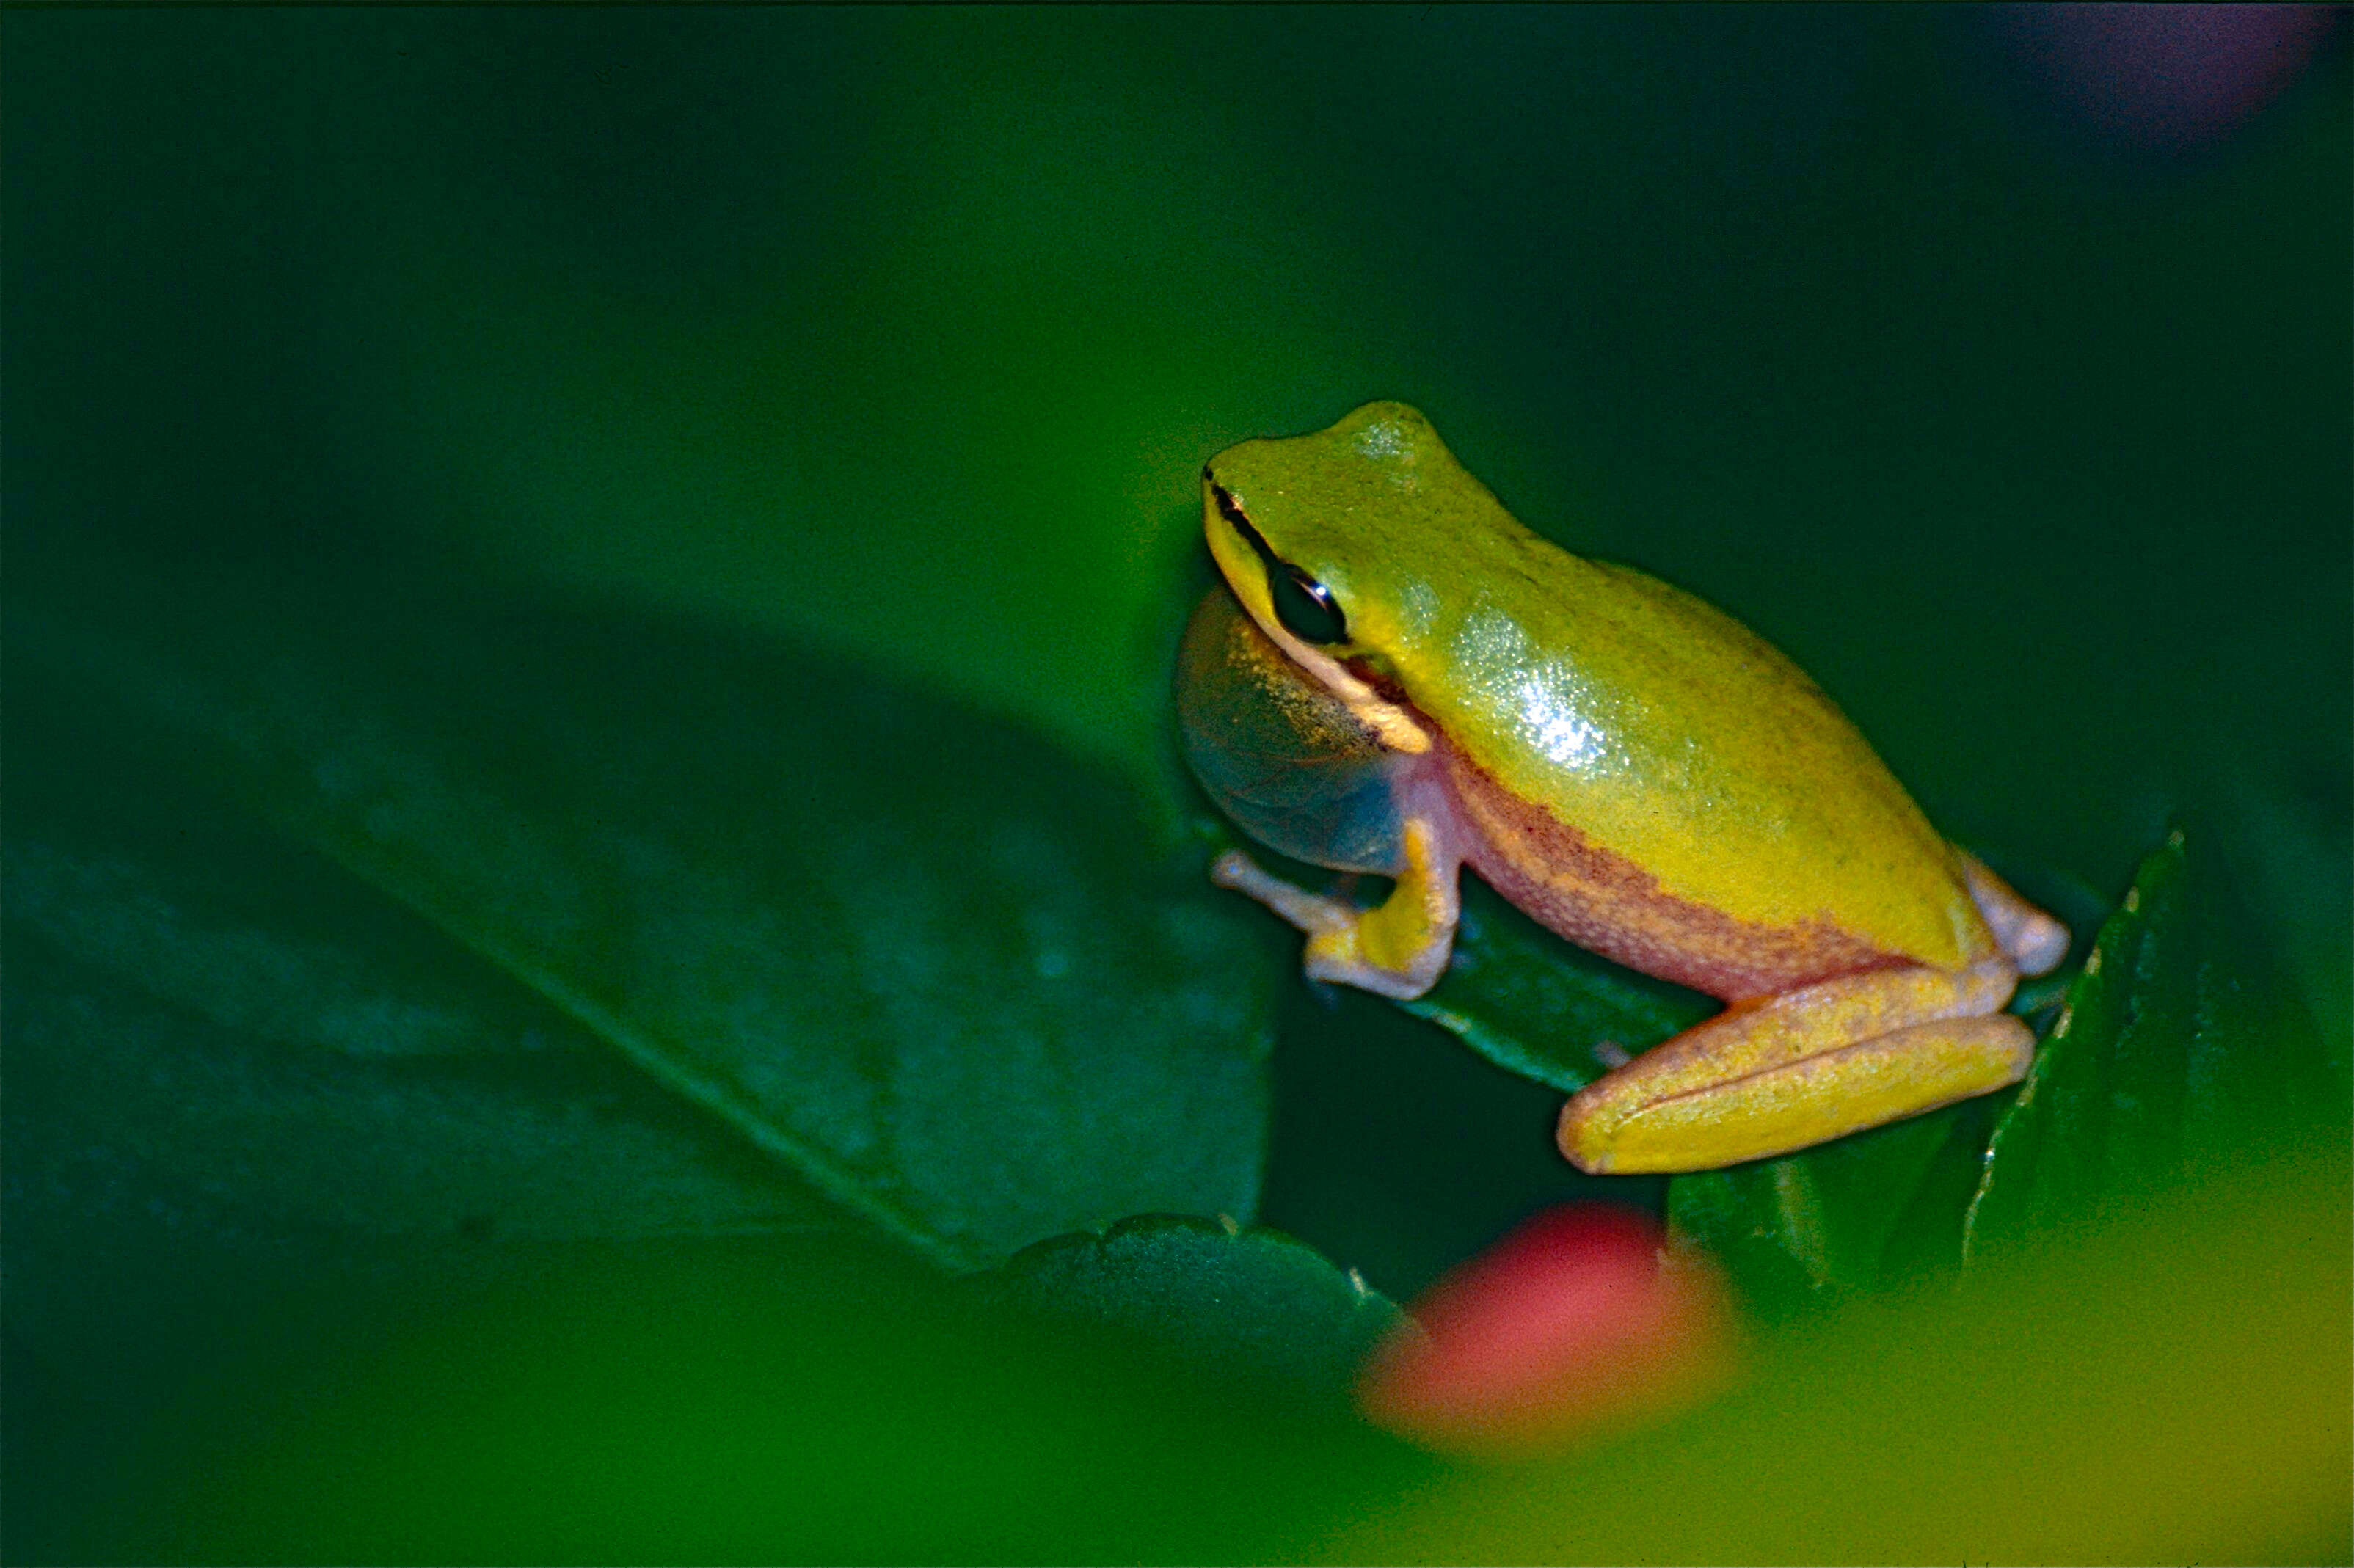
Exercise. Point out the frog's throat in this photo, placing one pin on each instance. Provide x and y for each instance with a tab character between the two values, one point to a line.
1391	722
1395	726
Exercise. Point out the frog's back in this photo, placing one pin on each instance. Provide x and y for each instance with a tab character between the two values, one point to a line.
1653	779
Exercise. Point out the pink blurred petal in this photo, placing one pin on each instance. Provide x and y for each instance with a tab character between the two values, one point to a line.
1571	1325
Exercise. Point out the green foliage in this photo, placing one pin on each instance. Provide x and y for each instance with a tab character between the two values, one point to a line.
532	959
960	998
214	1026
2179	1047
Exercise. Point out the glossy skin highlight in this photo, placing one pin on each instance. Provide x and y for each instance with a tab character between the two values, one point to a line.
1634	767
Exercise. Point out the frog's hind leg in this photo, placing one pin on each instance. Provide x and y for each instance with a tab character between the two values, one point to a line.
1772	1076
1397	949
2035	941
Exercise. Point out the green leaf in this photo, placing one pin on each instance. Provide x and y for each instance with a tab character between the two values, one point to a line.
1253	1305
935	967
208	1022
2178	1046
171	1052
1539	1006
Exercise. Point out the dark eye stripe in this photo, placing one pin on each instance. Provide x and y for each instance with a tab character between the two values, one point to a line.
1305	605
1234	515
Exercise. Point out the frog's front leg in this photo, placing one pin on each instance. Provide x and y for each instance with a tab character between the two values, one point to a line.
1769	1077
1397	949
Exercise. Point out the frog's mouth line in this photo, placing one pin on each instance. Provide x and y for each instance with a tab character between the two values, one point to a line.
1384	684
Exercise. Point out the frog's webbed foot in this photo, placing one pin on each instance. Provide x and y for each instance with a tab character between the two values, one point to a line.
1772	1076
1397	949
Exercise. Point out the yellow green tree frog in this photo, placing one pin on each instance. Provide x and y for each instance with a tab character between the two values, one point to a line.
1397	677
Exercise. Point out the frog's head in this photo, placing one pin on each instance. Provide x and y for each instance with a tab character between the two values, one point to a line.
1341	543
1331	539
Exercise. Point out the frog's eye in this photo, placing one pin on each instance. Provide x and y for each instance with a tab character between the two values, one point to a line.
1306	607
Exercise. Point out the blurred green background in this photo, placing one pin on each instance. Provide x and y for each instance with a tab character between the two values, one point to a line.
910	329
2004	391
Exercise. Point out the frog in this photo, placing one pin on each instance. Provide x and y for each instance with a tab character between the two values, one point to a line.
1395	677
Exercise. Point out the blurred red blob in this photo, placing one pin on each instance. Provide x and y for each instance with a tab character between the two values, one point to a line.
1575	1325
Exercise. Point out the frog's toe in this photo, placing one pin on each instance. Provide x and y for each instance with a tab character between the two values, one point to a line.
1314	913
1339	957
2032	940
2039	945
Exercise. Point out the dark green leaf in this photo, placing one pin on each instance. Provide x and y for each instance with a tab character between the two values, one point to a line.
1538	1006
167	1054
1255	1306
2178	1046
208	1022
931	965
